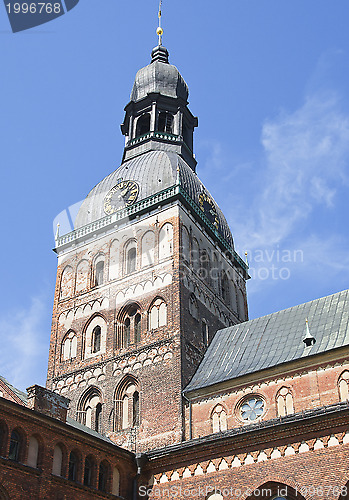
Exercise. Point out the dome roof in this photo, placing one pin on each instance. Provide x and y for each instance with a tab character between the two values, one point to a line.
153	171
159	76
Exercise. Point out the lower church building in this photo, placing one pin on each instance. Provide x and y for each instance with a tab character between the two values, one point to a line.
158	385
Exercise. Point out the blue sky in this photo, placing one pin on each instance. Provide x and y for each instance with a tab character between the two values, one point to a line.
268	80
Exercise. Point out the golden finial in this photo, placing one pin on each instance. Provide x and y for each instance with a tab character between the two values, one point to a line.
246	259
178	179
159	30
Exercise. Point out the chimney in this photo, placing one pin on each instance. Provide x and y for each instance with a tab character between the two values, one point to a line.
47	402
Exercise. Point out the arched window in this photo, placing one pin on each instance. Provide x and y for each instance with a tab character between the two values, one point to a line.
135	409
205	266
98	270
3	438
57	460
129	328
131	260
225	288
125	420
98	417
193	306
143	124
82	276
204	331
66	283
99	273
103	477
234	303
185	245
284	402
157	314
126	404
116	482
274	491
114	260
33	452
165	122
69	346
219	419
95	336
88	471
195	255
241	304
148	249
127	332
215	496
90	409
166	241
137	328
214	273
343	388
15	446
73	467
96	339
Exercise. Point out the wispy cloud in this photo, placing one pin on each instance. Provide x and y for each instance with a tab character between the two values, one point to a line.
305	155
24	343
292	193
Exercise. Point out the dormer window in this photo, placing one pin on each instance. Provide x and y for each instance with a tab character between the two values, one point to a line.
165	122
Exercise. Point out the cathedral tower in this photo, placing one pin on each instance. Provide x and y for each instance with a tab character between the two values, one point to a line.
146	278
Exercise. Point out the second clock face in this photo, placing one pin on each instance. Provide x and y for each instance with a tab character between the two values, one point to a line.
208	207
120	196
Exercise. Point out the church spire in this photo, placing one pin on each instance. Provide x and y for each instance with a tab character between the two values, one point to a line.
159	53
159	30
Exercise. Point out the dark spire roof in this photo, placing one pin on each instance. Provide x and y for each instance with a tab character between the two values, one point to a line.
159	53
159	77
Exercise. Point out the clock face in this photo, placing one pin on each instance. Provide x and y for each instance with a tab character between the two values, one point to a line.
123	194
208	207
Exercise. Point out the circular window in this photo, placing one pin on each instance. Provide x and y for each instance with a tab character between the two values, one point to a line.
252	408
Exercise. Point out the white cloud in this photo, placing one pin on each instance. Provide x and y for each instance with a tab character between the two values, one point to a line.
305	156
24	341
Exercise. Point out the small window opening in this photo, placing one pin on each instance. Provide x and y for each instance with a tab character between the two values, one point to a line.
143	124
165	122
99	278
97	334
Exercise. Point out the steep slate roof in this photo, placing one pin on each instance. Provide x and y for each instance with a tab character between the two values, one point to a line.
21	395
274	339
91	432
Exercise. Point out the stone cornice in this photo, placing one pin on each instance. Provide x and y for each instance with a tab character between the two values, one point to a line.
271	433
80	235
